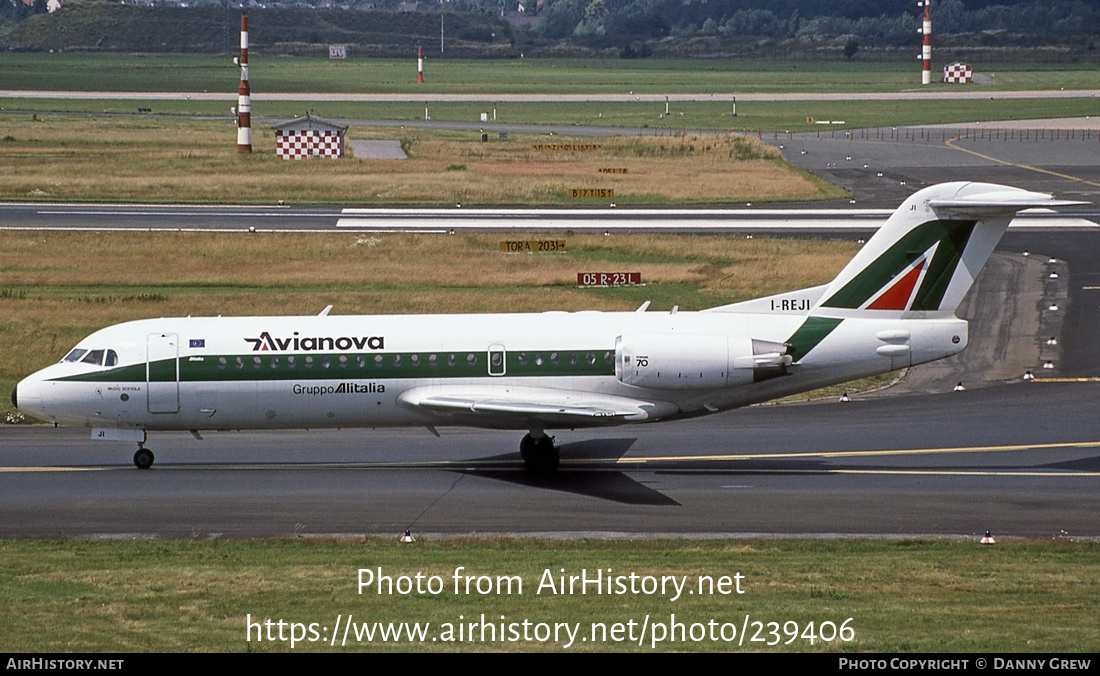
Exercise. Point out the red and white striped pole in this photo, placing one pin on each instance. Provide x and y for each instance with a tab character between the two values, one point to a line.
420	65
244	97
926	51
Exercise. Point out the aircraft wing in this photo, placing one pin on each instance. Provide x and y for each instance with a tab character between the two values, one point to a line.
518	407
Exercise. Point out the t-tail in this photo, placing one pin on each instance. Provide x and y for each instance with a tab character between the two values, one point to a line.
903	287
925	258
920	263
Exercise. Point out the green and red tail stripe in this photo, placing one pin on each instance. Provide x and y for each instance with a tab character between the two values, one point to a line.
912	274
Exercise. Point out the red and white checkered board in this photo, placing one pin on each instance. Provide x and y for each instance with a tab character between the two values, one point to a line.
957	72
299	144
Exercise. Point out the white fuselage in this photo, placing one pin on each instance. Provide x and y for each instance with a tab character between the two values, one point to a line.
374	371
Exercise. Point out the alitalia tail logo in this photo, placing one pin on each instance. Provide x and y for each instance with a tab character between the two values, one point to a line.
898	294
913	274
266	342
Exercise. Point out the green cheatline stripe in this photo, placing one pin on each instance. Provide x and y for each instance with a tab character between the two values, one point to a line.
952	236
328	366
812	332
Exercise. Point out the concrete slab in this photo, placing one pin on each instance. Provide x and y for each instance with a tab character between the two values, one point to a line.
377	150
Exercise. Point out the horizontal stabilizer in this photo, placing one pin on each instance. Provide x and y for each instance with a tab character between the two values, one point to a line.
998	201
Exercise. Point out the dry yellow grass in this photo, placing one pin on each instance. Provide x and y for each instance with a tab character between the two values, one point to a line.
735	266
80	158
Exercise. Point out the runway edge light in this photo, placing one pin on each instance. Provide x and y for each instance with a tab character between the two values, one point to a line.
988	539
407	538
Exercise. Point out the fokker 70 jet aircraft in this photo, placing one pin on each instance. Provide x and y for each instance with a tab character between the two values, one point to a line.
891	307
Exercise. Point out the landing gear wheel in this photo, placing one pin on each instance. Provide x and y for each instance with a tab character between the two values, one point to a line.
540	455
143	459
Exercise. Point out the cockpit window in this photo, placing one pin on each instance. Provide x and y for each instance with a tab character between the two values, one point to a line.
75	355
93	357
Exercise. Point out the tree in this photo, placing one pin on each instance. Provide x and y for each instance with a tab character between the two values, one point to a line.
850	48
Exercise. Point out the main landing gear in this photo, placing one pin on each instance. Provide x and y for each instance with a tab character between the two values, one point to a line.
539	453
143	458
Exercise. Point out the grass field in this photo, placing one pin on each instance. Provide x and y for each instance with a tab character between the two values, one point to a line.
906	596
204	73
196	73
155	160
766	116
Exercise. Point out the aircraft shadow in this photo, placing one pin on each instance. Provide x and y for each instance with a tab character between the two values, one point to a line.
788	467
590	468
589	479
1081	464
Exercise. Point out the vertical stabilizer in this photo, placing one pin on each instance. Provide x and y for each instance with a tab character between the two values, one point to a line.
925	257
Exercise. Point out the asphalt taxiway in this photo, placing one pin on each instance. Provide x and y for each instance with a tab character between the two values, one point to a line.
1019	460
883	166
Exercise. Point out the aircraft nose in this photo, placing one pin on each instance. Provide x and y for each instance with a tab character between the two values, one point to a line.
28	393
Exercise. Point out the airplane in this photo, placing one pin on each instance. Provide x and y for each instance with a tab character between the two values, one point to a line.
892	306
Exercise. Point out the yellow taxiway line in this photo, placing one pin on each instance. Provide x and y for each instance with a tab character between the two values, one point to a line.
856	454
950	143
638	462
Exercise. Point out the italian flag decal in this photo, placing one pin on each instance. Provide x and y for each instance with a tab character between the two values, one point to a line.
913	274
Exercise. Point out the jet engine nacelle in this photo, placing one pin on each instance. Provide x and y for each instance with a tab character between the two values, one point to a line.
675	361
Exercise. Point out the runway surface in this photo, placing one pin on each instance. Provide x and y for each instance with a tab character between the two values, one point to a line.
1019	459
184	218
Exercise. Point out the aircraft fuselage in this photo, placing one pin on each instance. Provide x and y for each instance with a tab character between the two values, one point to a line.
374	371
